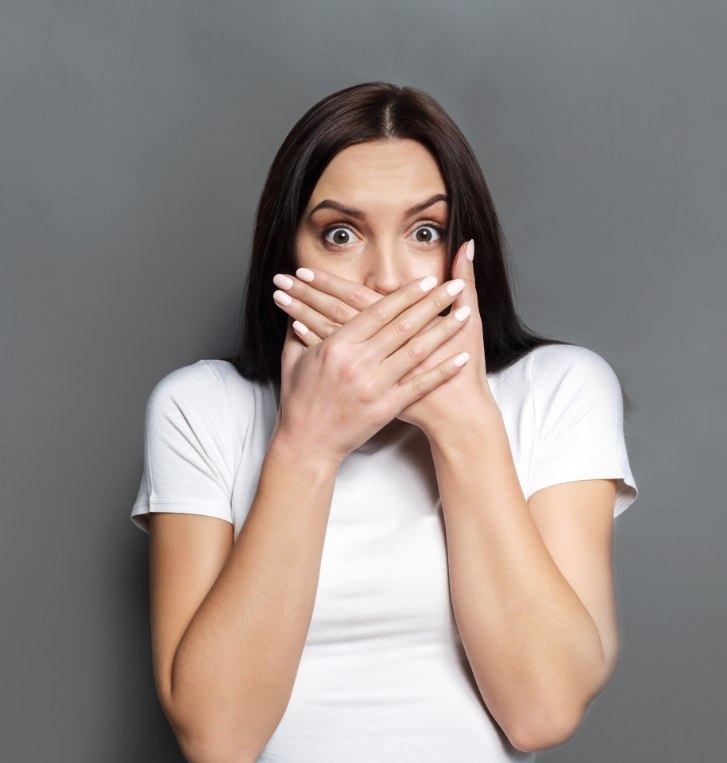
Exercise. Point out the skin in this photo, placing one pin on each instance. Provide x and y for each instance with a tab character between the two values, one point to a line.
383	248
230	616
531	582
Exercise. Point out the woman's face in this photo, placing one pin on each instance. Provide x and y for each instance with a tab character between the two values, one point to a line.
378	216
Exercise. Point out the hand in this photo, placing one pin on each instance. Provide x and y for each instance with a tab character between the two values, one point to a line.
322	309
343	389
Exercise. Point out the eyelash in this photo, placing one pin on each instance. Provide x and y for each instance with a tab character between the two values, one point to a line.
440	230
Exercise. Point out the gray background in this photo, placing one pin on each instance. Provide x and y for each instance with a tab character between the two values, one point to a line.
135	140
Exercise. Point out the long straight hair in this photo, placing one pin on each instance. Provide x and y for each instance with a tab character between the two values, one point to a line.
368	112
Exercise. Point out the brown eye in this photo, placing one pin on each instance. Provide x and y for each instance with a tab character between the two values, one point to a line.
426	234
339	236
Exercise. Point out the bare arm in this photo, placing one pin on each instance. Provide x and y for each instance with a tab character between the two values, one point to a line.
225	677
531	582
229	621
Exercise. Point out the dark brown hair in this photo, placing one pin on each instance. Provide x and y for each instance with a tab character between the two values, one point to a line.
366	112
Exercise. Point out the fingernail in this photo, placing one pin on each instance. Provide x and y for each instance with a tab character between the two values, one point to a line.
455	287
283	281
462	313
282	297
428	283
300	328
470	250
304	274
461	359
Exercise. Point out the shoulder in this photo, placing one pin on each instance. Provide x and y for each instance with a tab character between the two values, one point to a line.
205	390
555	364
569	377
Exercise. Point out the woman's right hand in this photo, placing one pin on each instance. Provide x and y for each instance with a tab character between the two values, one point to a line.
338	393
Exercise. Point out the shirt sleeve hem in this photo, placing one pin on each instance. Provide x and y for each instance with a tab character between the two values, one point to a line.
140	512
626	489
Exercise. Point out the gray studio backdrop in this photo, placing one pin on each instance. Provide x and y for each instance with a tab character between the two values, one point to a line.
135	140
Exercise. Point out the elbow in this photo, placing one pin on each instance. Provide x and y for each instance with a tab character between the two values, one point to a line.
202	741
546	731
538	737
199	748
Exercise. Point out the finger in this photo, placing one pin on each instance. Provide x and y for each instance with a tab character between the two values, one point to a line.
352	293
421	346
423	383
408	323
307	316
464	269
330	308
308	337
379	315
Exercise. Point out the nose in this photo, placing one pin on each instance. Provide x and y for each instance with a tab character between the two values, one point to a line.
386	269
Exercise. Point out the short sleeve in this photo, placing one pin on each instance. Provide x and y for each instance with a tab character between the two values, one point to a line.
185	453
578	422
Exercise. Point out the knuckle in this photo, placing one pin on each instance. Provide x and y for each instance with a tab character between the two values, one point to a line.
418	385
331	352
415	351
403	327
340	312
347	371
359	297
369	394
440	300
330	327
379	312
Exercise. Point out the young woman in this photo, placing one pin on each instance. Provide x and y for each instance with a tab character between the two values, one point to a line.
383	531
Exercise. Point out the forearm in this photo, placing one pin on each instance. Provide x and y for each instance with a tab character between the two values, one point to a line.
234	669
533	647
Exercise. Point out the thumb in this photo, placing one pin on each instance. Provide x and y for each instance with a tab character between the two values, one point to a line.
464	269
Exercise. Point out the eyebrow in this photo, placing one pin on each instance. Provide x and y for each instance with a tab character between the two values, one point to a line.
351	212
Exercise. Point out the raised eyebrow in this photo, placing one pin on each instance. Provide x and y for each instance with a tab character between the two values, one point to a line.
417	208
357	213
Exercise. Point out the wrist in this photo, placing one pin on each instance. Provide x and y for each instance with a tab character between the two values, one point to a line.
297	450
466	429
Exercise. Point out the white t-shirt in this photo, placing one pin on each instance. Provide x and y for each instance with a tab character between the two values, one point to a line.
383	675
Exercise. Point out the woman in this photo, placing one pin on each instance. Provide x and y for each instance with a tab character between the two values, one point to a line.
383	530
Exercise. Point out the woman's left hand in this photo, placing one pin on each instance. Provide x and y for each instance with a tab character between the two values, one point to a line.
321	302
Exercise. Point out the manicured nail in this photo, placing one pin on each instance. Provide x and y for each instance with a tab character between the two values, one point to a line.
282	298
455	287
461	359
300	328
462	313
470	250
428	283
304	274
283	281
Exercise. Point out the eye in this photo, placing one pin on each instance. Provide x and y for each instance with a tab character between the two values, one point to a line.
427	234
339	235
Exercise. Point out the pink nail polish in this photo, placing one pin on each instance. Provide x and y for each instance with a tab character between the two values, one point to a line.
282	298
461	359
455	287
283	282
470	250
304	274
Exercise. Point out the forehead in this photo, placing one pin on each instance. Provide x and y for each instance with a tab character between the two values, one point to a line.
395	168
